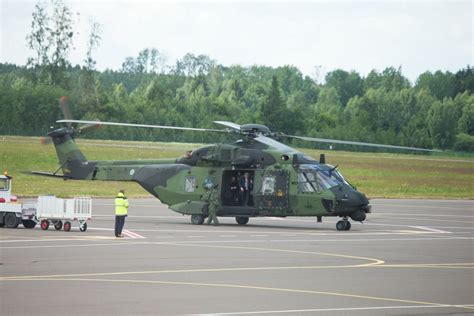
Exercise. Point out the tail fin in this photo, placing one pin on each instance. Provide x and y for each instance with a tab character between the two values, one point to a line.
73	163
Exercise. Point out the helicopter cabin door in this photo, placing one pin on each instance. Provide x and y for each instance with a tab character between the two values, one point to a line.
272	196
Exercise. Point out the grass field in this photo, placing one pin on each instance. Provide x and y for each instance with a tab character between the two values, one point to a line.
377	175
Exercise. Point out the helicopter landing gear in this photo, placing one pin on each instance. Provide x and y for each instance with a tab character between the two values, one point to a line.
343	225
197	219
241	220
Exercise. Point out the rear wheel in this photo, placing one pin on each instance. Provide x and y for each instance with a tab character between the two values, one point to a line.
67	226
241	220
58	225
44	224
11	221
29	223
197	219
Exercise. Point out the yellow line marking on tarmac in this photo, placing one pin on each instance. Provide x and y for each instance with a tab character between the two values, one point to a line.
252	287
103	274
431	265
375	261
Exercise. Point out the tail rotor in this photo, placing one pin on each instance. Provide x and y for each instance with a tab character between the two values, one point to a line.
67	113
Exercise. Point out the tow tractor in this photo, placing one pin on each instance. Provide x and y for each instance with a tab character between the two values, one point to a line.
13	213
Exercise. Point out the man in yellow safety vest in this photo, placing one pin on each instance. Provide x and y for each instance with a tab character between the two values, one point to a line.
121	210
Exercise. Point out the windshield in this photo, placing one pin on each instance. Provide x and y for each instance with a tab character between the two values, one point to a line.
312	179
4	184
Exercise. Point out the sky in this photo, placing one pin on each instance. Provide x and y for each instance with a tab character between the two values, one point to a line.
315	36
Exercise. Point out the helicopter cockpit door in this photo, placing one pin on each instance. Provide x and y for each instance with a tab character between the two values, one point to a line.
272	196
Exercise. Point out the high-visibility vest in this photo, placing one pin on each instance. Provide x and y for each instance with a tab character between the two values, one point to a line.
121	204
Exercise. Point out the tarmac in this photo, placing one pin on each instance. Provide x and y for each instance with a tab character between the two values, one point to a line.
410	257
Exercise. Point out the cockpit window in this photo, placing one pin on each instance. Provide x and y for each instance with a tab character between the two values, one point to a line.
312	179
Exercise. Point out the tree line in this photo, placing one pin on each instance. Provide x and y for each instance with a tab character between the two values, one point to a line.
436	111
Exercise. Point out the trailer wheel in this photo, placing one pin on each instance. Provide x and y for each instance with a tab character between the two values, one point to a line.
58	225
11	221
67	226
83	227
29	223
44	224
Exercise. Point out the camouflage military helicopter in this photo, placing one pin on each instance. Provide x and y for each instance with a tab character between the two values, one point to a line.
285	181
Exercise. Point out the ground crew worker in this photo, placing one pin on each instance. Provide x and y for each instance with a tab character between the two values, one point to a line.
121	211
212	198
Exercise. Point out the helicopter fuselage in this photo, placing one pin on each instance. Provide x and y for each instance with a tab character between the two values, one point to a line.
285	182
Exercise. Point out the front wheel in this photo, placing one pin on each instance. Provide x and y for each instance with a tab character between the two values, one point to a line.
341	225
29	223
241	220
348	225
83	227
197	219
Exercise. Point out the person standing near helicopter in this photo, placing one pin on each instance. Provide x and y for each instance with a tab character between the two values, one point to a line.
211	197
121	211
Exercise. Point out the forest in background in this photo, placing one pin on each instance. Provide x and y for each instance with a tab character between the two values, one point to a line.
436	111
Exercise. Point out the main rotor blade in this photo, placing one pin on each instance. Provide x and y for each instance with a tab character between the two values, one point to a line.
347	142
229	124
144	125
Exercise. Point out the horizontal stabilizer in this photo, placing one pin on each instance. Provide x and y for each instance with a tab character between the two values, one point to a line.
44	174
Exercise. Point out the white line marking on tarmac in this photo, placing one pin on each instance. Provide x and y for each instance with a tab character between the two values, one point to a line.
431	229
346	309
132	234
126	243
142	216
431	215
275	218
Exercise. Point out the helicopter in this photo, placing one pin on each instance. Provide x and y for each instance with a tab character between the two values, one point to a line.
285	181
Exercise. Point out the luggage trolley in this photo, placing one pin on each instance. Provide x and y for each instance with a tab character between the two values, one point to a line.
51	209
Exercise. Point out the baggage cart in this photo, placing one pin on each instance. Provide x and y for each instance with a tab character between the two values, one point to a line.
61	212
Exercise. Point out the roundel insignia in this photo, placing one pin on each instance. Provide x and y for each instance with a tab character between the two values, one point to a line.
208	183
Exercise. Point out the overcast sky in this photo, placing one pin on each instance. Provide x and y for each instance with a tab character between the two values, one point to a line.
325	35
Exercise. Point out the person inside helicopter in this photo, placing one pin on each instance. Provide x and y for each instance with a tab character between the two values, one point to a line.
246	187
234	191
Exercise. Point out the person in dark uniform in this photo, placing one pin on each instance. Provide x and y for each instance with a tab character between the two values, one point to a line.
234	191
246	186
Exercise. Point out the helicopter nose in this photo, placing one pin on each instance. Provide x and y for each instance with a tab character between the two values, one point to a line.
349	200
